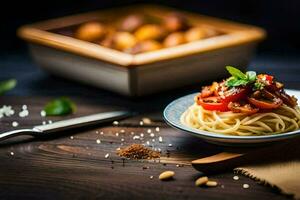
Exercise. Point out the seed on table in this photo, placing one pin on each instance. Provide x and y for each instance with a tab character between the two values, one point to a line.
141	123
236	178
160	139
151	177
246	186
201	181
98	141
146	120
15	124
71	137
12	153
157	129
166	175
43	113
170	145
122	131
149	131
115	123
211	183
107	155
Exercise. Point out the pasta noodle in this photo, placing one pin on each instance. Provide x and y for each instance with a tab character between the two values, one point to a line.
280	120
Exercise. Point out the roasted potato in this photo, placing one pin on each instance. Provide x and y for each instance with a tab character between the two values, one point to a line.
195	33
123	40
90	31
174	39
145	46
150	32
131	23
175	22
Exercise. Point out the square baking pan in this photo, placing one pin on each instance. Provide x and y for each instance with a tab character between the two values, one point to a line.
143	73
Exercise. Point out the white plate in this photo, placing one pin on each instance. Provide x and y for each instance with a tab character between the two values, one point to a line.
175	109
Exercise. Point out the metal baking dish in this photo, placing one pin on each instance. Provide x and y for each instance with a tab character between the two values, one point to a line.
144	73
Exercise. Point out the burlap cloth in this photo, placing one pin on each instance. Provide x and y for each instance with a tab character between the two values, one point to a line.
277	166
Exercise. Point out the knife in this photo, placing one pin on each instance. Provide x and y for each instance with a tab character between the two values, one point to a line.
67	124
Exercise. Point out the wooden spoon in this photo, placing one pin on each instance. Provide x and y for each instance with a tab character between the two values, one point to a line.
219	162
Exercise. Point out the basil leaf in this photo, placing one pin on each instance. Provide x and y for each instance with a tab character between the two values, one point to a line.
60	106
7	85
233	82
251	76
236	72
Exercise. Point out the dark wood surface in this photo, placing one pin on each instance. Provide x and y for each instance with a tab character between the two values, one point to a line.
58	167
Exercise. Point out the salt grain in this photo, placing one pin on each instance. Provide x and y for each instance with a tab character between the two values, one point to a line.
136	137
157	129
43	113
235	178
15	124
107	155
246	186
160	139
23	113
98	141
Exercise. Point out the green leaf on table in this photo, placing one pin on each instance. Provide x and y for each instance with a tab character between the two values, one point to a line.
236	72
7	85
60	106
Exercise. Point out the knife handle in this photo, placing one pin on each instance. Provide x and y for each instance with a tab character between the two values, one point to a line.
82	121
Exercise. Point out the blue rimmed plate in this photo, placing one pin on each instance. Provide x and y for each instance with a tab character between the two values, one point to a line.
174	110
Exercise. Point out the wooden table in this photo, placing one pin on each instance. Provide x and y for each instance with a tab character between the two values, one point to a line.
72	165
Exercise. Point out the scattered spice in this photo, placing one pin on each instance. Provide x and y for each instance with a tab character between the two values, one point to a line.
138	151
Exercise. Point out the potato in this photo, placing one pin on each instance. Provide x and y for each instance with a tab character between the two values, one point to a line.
132	23
123	40
174	39
150	32
195	33
175	22
145	46
90	31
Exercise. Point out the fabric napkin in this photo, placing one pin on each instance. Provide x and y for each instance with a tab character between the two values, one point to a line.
277	166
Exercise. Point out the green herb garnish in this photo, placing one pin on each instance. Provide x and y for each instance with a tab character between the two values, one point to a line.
239	78
7	85
60	106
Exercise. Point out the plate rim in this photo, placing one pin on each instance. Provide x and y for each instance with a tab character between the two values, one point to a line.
211	135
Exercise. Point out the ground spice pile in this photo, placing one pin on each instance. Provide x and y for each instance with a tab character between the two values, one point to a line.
138	151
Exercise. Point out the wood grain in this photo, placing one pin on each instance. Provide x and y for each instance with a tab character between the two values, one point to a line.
58	167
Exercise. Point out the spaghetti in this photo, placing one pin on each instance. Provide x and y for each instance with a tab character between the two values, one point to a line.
244	105
283	119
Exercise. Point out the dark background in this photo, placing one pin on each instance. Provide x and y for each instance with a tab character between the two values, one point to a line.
279	18
277	55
